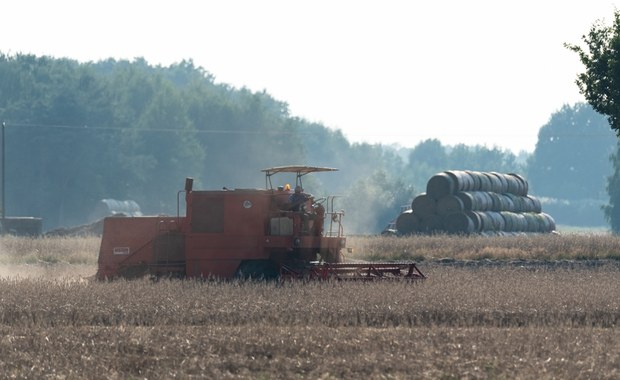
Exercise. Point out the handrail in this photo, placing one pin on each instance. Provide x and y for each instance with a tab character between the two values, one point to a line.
334	217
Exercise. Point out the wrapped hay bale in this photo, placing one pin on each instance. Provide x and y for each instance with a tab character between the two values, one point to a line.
407	223
449	204
424	205
431	223
458	223
449	182
466	201
475	200
439	185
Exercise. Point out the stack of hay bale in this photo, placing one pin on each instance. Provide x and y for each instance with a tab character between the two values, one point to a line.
465	202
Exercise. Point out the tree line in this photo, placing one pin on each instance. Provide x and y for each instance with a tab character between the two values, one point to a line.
77	133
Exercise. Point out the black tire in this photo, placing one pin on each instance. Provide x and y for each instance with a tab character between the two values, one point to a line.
257	270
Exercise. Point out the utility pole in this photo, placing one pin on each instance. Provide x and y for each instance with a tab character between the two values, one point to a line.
2	164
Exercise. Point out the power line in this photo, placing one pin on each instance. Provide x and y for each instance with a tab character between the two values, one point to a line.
261	131
104	128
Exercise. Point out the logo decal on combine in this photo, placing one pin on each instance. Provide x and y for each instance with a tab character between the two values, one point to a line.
247	204
121	250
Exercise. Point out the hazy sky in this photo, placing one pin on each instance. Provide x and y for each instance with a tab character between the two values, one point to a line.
476	72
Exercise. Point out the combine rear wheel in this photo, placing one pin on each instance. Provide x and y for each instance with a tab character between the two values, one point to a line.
257	270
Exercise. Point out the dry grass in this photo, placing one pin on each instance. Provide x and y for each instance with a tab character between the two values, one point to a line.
49	250
50	257
478	322
452	297
531	247
52	250
268	352
484	322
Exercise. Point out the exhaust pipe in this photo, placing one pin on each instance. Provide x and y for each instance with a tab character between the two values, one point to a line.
189	184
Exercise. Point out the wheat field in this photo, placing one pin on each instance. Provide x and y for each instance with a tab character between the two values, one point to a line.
483	321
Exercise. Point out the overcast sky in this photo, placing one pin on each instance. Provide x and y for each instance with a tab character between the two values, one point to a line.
473	72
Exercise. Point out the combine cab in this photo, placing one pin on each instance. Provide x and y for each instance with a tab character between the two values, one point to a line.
244	233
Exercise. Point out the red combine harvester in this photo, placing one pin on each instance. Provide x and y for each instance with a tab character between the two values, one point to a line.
240	233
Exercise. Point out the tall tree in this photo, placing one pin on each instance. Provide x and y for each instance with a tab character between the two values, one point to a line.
562	157
600	84
426	159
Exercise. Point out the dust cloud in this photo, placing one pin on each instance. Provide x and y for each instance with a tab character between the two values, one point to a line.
71	272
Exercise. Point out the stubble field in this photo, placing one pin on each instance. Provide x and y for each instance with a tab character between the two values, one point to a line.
541	307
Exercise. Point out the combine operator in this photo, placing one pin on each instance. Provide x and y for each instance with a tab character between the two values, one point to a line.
309	220
298	199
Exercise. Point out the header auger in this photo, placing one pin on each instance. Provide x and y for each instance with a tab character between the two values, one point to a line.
268	233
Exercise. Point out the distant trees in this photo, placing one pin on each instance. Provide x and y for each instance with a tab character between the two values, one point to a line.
426	159
573	150
462	157
599	84
570	165
80	132
430	157
51	166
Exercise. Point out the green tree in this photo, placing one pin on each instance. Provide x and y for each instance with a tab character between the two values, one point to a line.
562	157
426	159
50	107
481	158
600	84
430	157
